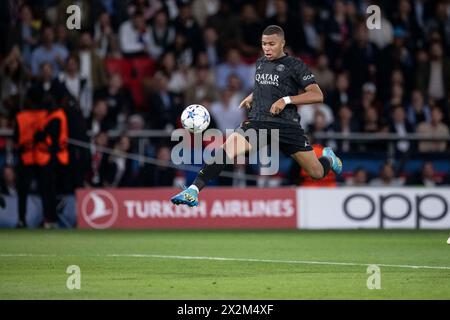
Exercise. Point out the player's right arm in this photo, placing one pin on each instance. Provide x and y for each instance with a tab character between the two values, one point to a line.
247	102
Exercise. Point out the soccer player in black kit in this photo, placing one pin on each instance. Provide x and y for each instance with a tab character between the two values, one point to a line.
273	105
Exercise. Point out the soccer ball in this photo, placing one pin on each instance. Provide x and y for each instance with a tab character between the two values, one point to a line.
195	118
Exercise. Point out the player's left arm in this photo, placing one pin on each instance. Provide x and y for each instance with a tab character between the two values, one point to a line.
312	95
305	80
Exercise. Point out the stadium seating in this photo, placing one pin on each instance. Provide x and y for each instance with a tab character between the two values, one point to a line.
133	71
121	66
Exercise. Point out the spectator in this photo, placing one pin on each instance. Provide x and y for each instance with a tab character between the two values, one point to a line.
187	27
369	99
161	34
283	18
226	24
323	74
153	175
212	47
340	95
319	124
13	82
395	56
250	30
184	54
433	77
139	145
421	12
115	10
359	178
202	88
345	125
62	38
338	30
6	143
50	52
104	37
164	105
203	9
397	98
119	101
387	177
404	18
135	122
46	82
401	127
434	128
134	37
310	38
372	122
234	65
361	59
118	167
148	8
98	163
98	121
417	110
235	86
440	22
92	67
225	111
8	18
79	157
76	85
8	181
398	79
29	34
202	60
307	114
176	77
427	177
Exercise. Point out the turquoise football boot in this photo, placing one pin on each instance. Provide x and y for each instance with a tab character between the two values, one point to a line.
336	164
188	196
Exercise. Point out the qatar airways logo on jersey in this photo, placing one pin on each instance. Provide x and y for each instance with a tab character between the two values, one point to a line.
267	78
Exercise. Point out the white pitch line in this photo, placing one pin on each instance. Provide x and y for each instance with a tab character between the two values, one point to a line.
276	261
159	256
27	255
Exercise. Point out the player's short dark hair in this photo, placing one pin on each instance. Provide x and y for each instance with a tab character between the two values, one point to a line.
273	29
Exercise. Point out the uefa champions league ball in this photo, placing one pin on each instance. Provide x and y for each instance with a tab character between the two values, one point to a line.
195	118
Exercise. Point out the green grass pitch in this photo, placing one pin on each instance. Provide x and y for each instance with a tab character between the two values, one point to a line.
181	264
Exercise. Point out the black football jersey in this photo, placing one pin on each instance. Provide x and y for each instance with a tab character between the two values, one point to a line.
276	79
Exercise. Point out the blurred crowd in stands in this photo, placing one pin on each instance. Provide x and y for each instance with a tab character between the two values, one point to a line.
136	64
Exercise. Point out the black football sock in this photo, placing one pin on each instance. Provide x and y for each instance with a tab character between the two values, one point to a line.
326	164
211	171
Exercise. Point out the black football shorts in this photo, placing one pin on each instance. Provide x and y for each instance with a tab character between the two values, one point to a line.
291	138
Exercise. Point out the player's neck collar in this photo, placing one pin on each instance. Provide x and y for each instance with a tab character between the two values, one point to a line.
285	54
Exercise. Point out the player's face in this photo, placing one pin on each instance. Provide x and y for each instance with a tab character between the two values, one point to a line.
272	46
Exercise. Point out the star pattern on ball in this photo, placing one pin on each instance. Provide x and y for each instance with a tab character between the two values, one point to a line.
191	114
205	117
